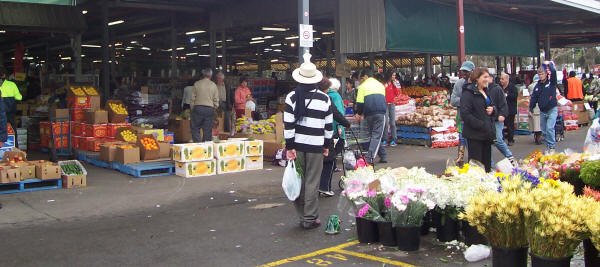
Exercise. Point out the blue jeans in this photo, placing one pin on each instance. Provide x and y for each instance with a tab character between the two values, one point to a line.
461	140
500	144
547	123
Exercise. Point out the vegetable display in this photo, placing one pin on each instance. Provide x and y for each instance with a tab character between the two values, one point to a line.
71	168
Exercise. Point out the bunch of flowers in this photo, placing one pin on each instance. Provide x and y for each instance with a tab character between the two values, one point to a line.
497	214
409	206
593	220
372	209
555	219
248	126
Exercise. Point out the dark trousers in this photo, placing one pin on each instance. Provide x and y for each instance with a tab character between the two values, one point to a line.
329	164
480	151
202	117
510	128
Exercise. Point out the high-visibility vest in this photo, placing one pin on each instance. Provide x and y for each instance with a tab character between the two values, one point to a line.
575	89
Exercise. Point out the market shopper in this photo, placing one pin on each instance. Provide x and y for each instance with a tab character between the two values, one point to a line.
391	92
544	96
350	94
371	106
223	103
186	100
242	95
331	87
465	72
511	92
574	88
534	118
477	112
308	122
10	96
496	93
204	101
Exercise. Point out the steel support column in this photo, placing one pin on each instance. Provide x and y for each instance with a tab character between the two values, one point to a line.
173	65
213	49
105	56
76	46
328	48
547	53
303	18
223	52
340	59
427	67
460	21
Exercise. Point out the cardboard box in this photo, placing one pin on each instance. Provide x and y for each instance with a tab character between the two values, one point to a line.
44	128
60	142
108	150
75	128
59	113
74	181
127	155
148	154
44	141
270	148
181	129
196	169
111	128
164	150
27	170
229	149
159	134
95	102
120	136
59	127
9	175
14	155
10	141
193	152
47	171
95	130
96	116
93	144
523	126
254	147
254	162
113	116
77	114
78	102
231	165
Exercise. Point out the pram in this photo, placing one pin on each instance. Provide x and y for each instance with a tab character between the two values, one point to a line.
559	128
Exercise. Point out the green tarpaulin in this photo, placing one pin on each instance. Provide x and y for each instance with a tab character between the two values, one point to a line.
421	26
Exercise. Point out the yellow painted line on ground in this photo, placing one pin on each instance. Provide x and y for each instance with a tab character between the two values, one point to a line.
312	254
374	258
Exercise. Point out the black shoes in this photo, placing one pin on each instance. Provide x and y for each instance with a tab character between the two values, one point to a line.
311	225
383	161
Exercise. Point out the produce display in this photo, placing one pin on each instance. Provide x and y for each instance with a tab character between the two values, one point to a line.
128	136
195	169
427	117
435	99
193	152
230	165
401	99
71	168
90	90
149	143
229	149
118	108
78	91
247	125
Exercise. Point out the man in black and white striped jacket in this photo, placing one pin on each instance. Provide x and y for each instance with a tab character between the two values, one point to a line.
308	121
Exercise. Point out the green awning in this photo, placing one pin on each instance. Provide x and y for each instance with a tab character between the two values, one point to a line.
421	26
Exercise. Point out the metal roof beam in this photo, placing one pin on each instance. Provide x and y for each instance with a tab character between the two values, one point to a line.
161	7
589	5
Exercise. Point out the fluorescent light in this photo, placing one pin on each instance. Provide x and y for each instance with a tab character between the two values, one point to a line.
65	58
256	38
145	48
219	41
240	63
277	50
192	40
180	48
268	49
276	29
276	45
134	42
291	37
82	55
92	46
229	40
292	44
2	31
43	61
195	32
115	22
219	46
274	60
328	33
118	44
127	49
317	39
220	56
204	55
97	61
268	37
257	42
191	54
205	45
84	12
28	58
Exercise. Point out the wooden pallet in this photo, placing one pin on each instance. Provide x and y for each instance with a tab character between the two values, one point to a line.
30	185
147	169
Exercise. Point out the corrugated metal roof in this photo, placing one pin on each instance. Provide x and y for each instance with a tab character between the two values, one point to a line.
362	26
353	63
52	18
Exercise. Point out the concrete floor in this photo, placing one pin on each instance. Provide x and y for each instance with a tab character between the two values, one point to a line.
226	220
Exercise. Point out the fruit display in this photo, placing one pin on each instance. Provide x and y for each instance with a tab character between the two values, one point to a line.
193	152
254	148
72	167
77	91
15	159
401	99
196	169
149	143
90	90
416	91
230	165
440	99
428	117
128	136
229	149
248	126
118	108
126	147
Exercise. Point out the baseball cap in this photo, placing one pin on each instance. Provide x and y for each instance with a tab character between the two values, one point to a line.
467	66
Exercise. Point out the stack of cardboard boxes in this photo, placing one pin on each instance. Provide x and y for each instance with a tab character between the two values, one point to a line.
205	159
522	119
15	168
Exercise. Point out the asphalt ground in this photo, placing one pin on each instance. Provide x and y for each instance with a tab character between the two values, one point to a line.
226	220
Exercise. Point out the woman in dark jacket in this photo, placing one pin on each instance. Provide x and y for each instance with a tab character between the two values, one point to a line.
477	111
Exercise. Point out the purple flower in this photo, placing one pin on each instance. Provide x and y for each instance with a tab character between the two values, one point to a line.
388	202
404	199
371	193
363	210
416	190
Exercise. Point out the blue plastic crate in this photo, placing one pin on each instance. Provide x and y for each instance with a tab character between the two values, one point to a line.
414	135
415	129
146	169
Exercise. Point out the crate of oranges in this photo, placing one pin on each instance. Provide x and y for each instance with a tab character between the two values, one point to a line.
126	134
149	149
117	113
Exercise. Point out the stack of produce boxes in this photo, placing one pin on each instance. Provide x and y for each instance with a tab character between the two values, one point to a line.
15	168
254	154
117	117
194	160
59	129
230	156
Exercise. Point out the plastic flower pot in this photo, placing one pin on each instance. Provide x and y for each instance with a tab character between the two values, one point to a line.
471	235
537	261
436	219
590	255
578	187
448	229
426	224
408	238
366	230
515	257
387	235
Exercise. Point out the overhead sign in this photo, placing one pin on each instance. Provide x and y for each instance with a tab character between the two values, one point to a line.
306	35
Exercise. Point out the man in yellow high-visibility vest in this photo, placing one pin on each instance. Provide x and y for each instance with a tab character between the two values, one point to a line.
10	96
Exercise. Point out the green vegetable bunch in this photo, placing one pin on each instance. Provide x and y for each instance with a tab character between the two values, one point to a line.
590	173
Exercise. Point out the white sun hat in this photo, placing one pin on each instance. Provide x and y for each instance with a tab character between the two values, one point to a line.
307	73
335	84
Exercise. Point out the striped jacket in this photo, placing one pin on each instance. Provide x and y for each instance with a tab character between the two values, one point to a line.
312	132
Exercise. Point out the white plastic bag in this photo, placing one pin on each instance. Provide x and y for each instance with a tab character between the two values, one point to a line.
349	160
592	139
477	252
292	182
504	166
